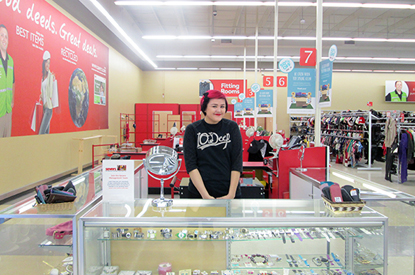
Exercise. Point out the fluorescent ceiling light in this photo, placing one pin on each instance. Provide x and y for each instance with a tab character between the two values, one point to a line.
404	71
209	69
295	58
297	38
294	38
165	69
341	70
262	3
230	69
383	71
122	32
187	69
362	71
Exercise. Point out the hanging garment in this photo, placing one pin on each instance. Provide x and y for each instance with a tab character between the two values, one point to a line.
390	156
258	149
403	147
390	132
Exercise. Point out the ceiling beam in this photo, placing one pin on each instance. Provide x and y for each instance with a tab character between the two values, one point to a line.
264	18
181	19
288	23
157	17
237	19
136	23
397	25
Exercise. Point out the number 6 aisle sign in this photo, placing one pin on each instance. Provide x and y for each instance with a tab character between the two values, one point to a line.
308	56
268	81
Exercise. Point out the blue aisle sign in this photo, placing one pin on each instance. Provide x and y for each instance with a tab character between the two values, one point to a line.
301	91
325	83
264	99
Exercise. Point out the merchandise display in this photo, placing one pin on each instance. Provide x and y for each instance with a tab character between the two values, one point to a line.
234	237
41	238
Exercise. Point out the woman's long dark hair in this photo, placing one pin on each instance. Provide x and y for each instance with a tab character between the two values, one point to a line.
44	72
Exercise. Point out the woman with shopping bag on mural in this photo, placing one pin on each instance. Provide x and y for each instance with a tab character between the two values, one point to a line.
49	92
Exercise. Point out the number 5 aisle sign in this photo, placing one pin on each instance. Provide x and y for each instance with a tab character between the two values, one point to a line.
268	81
308	56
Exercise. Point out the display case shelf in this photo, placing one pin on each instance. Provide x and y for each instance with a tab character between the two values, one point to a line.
243	239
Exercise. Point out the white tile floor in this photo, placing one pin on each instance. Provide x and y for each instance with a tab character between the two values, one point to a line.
378	176
401	216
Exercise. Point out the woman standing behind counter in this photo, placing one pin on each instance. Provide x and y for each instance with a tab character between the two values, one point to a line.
213	151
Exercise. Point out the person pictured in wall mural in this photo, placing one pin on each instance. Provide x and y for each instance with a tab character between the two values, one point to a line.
47	94
397	95
213	151
7	80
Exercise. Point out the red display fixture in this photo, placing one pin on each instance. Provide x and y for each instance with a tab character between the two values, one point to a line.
287	159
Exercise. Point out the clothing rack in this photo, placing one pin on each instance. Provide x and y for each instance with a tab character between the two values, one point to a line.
408	124
367	115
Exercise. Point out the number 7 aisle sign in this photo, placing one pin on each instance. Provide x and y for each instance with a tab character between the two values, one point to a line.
308	56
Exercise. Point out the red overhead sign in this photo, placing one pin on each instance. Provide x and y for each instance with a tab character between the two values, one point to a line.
268	81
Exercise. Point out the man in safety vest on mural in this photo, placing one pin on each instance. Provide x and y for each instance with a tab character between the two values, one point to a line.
6	85
396	95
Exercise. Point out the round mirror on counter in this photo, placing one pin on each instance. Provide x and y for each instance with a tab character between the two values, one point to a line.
162	163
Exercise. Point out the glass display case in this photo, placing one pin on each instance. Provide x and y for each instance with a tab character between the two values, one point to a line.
34	239
398	206
231	237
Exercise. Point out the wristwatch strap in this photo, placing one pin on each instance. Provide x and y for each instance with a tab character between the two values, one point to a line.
340	235
297	234
289	260
308	234
294	261
337	260
291	236
304	260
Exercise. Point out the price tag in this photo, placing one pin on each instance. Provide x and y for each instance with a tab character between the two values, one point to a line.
308	56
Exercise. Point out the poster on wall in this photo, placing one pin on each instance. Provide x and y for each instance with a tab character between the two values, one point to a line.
264	100
400	91
325	83
56	79
301	91
230	87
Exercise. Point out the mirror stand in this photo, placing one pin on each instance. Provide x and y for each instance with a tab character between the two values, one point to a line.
162	201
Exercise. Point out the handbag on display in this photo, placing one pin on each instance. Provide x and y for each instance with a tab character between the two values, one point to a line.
47	194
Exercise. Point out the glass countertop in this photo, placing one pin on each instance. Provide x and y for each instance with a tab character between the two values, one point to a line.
237	209
369	190
88	186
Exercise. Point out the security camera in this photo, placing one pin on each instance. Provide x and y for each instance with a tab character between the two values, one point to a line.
215	13
302	21
212	40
